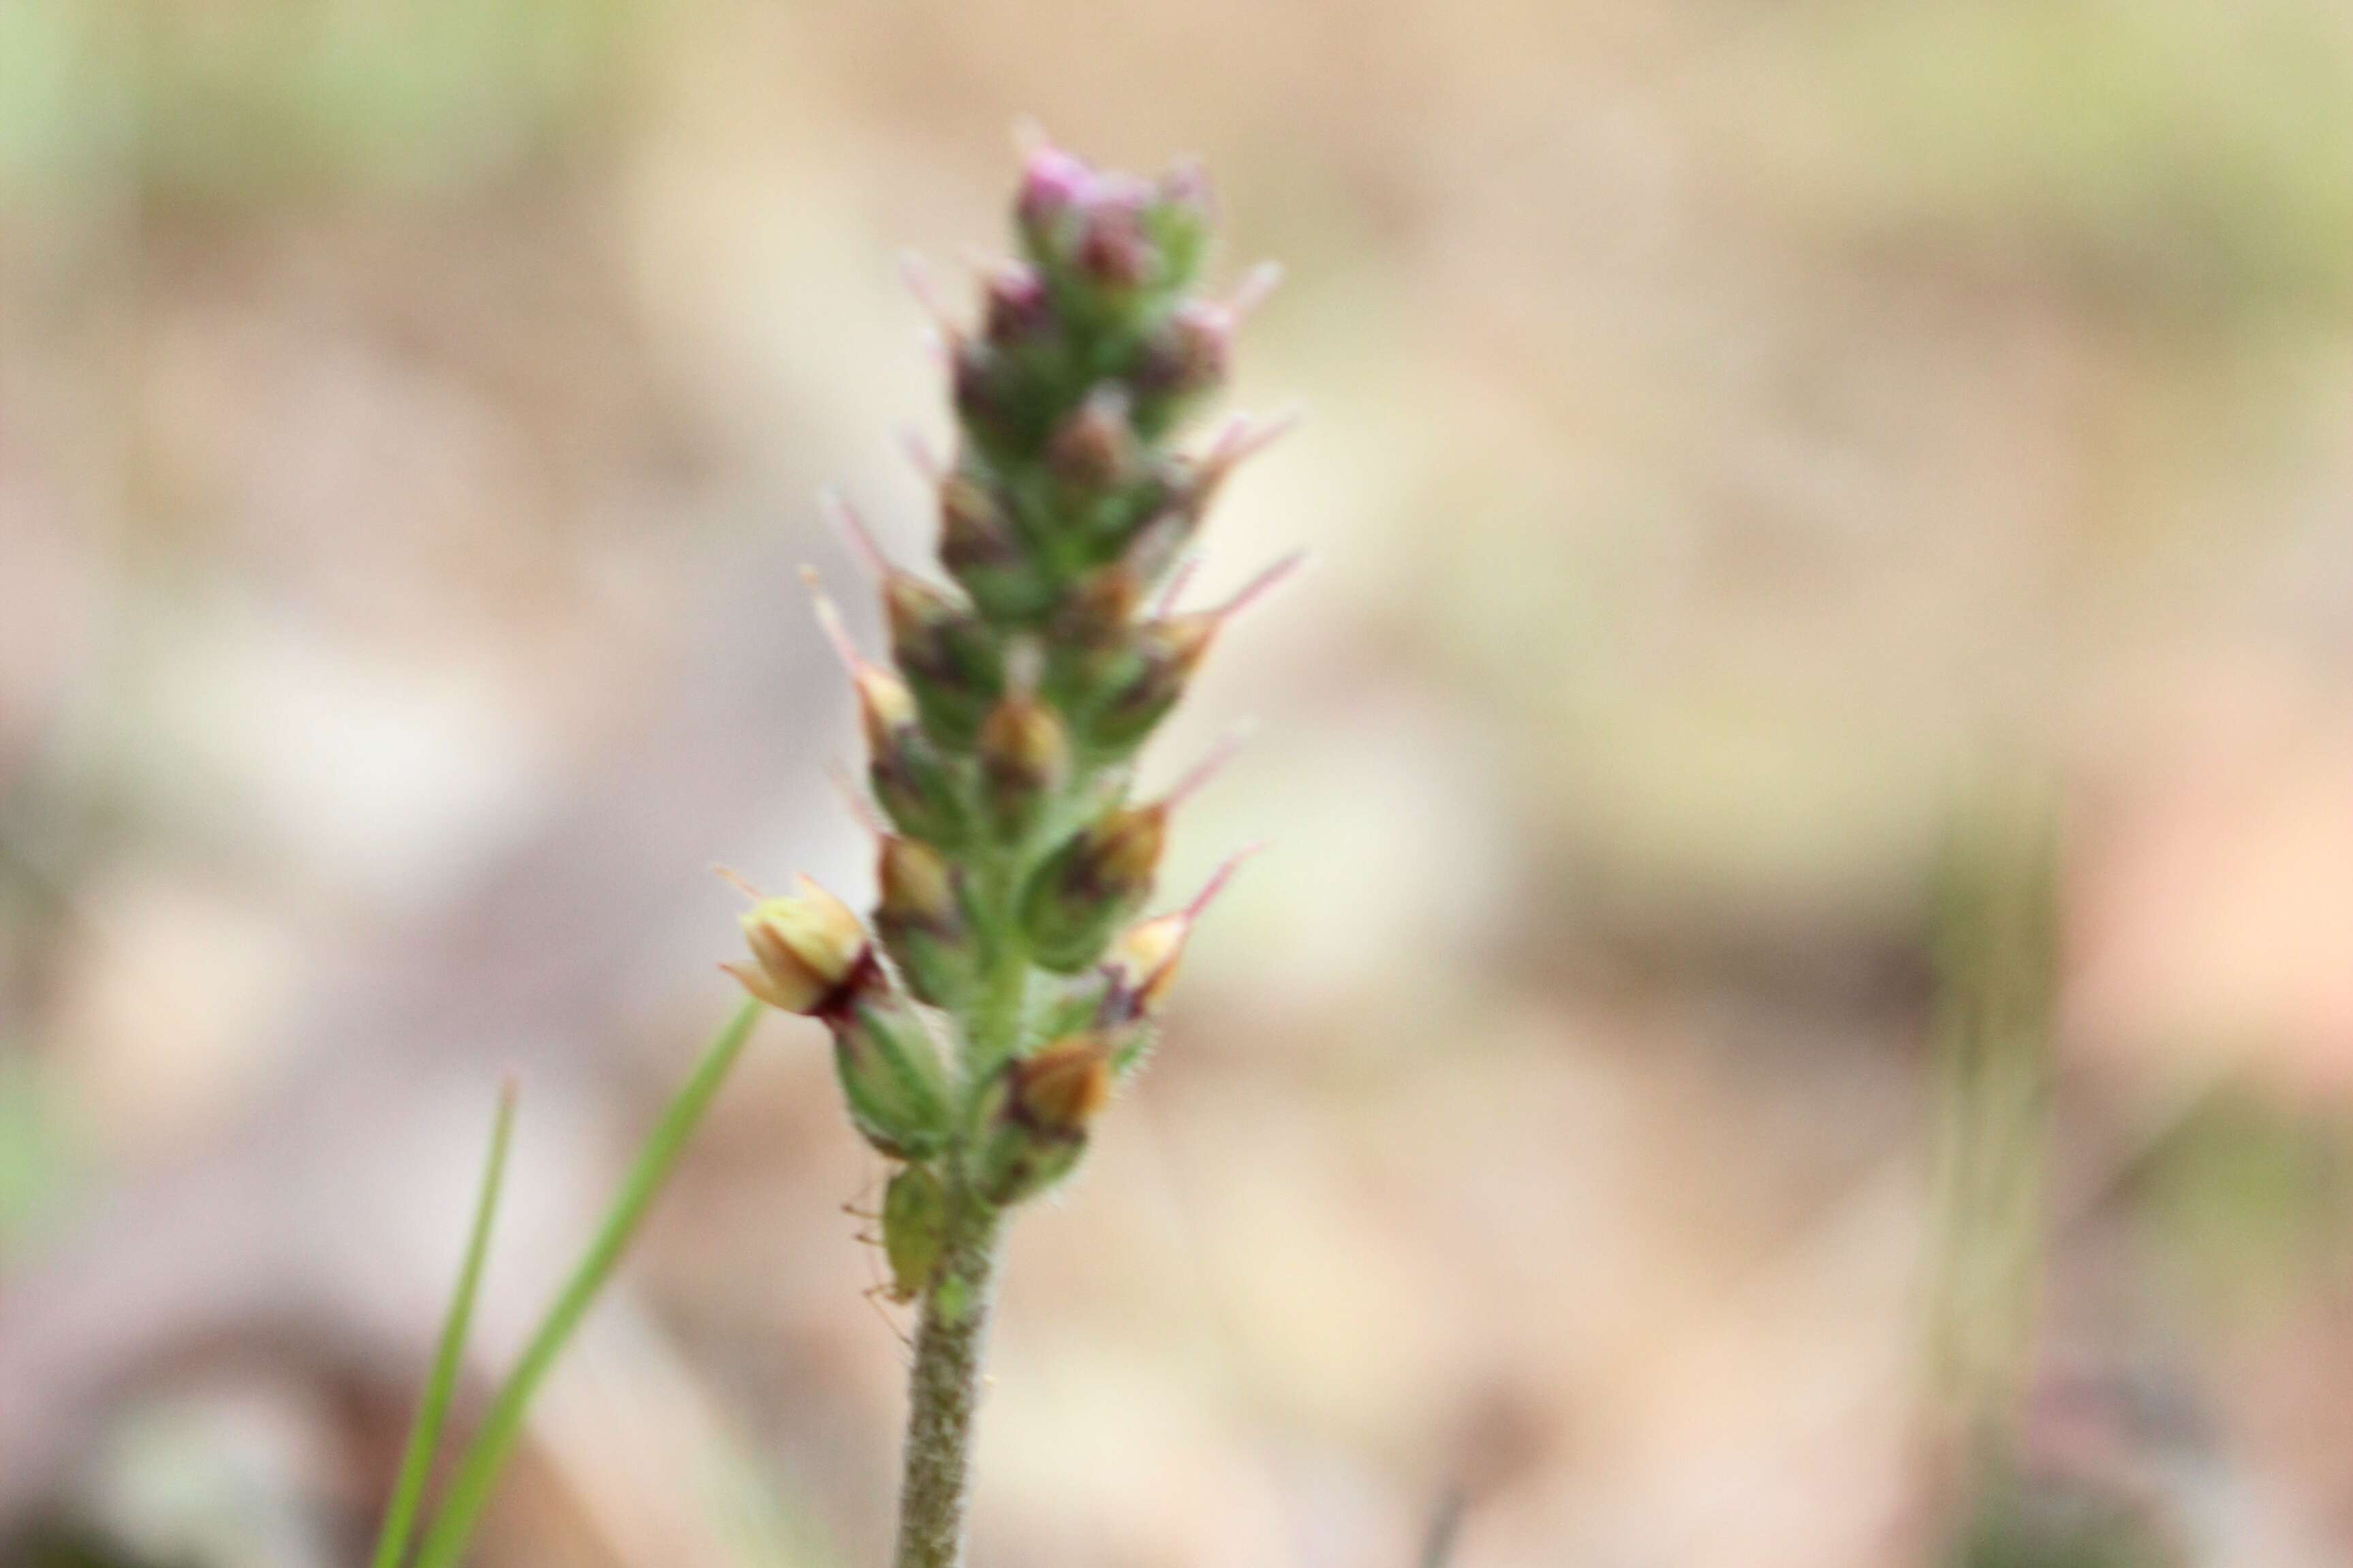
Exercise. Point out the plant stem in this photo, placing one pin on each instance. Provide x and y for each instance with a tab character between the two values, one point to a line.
944	1391
993	1026
478	1471
943	1385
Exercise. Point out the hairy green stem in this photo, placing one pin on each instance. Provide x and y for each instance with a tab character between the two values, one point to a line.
943	1385
478	1471
944	1392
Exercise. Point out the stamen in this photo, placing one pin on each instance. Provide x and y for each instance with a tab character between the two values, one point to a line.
737	880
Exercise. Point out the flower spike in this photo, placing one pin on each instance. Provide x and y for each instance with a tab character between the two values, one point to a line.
1007	985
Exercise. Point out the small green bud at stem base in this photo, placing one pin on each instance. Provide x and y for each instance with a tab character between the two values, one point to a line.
892	1079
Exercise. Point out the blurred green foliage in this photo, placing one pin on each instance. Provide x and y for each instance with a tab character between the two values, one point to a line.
214	99
2200	150
2055	1526
35	1165
2245	1202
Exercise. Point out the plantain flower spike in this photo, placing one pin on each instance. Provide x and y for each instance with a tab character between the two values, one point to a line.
1008	985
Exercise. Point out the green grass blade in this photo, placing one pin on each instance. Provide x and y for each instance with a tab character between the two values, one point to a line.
424	1436
478	1471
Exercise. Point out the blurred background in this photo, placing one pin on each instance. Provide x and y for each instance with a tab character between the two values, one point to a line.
1736	431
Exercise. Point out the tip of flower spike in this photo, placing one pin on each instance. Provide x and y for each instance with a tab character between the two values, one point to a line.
1052	181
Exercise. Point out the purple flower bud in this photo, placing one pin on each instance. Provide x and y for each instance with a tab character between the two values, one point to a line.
1185	189
1113	250
1052	182
1017	306
977	385
1187	353
1095	446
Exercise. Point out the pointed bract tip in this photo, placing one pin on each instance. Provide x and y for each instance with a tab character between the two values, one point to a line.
1254	436
861	809
915	272
1219	880
829	622
1165	600
851	523
1227	747
1265	583
737	880
1252	291
919	452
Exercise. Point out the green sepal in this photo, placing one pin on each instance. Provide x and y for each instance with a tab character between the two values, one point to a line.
923	792
951	660
893	1078
935	945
